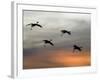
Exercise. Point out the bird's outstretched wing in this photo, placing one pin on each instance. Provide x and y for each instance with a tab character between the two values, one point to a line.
51	43
69	32
39	26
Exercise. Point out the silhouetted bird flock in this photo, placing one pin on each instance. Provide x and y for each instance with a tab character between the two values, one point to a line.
75	47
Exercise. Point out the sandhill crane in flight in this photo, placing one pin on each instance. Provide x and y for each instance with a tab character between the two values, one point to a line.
65	31
48	42
34	24
75	47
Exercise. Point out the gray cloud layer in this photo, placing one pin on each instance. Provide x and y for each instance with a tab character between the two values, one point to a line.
52	22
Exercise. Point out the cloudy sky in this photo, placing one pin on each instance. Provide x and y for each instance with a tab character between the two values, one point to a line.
53	22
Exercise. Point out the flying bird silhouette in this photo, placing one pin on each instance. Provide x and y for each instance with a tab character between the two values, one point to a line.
65	31
34	24
75	47
48	42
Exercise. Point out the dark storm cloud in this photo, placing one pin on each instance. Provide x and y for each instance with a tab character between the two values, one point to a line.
78	24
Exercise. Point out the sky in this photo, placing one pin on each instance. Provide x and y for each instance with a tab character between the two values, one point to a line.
53	22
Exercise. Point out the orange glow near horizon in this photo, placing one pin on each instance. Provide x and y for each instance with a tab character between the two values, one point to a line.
59	58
